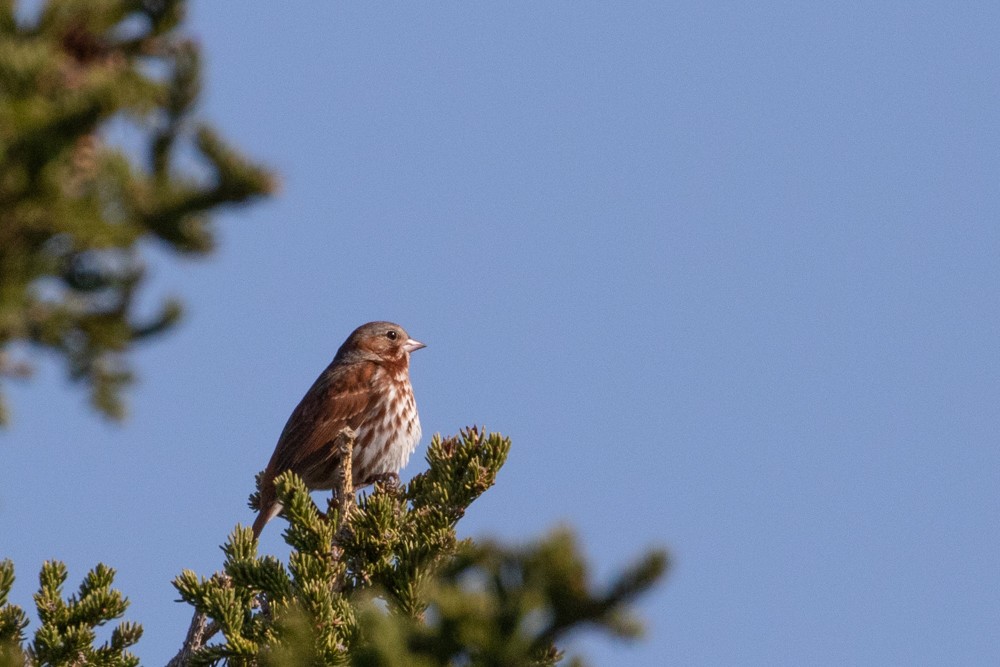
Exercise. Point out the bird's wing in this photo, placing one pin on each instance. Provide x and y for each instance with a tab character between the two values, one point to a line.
337	399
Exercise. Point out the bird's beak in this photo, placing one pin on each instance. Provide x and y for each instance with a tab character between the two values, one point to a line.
412	345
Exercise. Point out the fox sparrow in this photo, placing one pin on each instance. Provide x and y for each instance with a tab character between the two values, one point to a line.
366	388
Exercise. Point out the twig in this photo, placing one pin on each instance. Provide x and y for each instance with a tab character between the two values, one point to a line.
345	498
200	631
345	490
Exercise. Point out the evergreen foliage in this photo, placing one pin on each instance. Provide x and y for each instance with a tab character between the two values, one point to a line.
388	583
67	634
384	582
76	211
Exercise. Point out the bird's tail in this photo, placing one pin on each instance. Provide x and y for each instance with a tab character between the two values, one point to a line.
267	512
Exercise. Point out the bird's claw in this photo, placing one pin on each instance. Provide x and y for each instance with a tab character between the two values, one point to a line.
389	480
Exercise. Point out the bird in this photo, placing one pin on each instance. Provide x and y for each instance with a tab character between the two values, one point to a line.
365	388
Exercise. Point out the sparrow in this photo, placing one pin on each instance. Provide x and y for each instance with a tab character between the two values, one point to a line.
365	388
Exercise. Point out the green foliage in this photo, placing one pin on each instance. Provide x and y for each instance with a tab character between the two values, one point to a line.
13	621
390	583
77	212
494	605
67	633
385	582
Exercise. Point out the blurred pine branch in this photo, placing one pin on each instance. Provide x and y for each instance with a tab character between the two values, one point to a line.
77	211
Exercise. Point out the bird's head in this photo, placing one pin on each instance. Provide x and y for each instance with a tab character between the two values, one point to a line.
384	341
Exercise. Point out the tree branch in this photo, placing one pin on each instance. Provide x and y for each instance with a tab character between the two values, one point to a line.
345	490
200	631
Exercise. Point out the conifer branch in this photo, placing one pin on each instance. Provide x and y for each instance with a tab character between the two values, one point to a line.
442	600
381	581
197	635
76	212
68	631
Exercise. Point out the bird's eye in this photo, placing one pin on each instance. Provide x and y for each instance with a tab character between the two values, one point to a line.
391	335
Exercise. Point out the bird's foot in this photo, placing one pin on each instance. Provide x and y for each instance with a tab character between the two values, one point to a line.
389	480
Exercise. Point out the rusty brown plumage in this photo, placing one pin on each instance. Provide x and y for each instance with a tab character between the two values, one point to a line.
366	388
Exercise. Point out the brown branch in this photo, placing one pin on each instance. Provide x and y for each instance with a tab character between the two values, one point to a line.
200	631
345	490
344	497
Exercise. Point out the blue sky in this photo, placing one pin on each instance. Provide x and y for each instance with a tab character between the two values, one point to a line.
727	275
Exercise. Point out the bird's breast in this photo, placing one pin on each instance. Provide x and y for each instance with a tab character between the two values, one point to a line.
390	431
